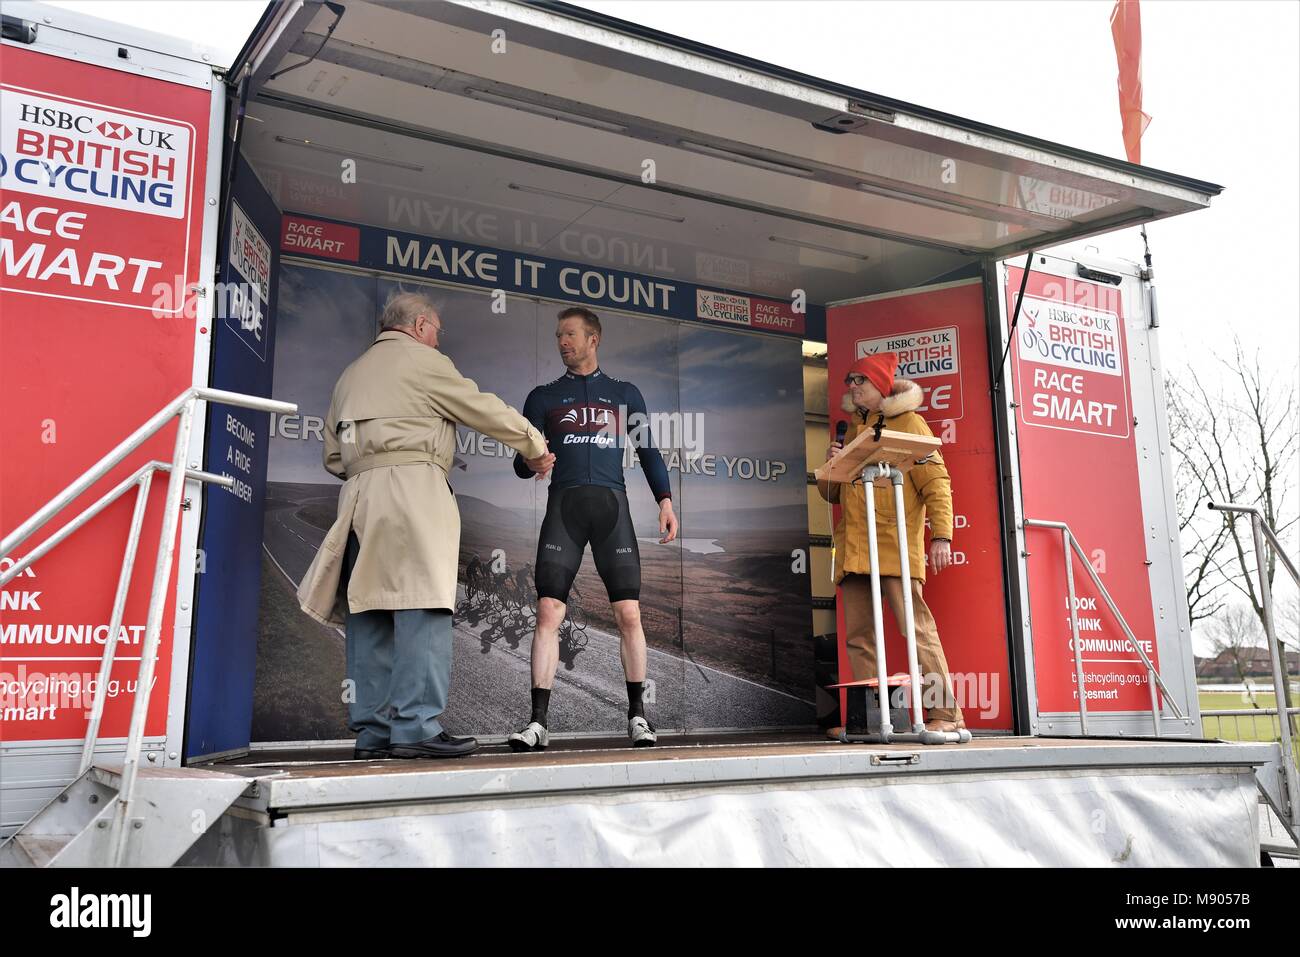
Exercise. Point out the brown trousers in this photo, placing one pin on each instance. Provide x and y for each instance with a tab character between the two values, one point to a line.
861	643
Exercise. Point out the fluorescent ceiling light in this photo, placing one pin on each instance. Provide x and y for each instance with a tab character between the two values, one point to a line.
744	159
588	201
782	240
912	198
541	109
350	154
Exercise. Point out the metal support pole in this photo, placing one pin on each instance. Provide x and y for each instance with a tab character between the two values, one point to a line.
877	614
105	500
1279	678
153	632
1155	704
909	619
115	620
1123	623
93	474
1074	631
1153	674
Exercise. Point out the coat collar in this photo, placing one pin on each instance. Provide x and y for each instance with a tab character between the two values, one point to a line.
391	335
906	397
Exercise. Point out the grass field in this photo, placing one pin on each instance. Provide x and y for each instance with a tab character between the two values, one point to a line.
1261	727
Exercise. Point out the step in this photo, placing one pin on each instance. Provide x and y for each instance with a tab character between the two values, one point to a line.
75	829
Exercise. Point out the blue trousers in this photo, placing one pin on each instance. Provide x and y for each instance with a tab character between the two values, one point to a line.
399	666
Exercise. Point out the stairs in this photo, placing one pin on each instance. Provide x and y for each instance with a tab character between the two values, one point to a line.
170	810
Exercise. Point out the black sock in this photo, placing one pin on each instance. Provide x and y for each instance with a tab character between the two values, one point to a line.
635	709
541	703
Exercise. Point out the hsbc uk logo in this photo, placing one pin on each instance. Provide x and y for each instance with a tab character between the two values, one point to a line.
54	149
932	352
86	123
929	357
114	131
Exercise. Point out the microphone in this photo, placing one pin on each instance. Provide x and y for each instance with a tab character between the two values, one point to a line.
841	430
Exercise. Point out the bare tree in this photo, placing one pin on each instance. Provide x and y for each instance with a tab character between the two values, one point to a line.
1196	481
1236	637
1286	618
1235	442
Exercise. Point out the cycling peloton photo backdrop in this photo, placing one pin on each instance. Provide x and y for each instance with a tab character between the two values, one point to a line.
726	610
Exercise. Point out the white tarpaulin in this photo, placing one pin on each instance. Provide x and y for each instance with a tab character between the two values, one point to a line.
1140	818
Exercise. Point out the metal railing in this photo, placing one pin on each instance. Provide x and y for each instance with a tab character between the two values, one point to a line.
1261	531
1226	723
184	406
1070	545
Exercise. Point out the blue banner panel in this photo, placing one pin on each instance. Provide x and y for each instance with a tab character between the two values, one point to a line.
506	271
230	545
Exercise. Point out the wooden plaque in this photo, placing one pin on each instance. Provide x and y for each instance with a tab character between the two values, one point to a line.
899	449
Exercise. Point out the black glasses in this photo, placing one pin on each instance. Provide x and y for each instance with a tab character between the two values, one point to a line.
854	379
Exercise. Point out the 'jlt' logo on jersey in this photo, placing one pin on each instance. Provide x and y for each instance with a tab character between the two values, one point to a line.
585	418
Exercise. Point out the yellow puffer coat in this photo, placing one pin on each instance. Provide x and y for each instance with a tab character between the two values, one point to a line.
927	493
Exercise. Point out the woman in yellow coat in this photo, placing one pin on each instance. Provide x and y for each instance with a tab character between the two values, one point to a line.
876	397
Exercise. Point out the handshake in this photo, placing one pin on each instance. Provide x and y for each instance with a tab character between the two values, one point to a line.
542	465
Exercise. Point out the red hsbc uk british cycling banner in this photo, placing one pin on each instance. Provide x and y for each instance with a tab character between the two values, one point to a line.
1078	464
939	335
101	208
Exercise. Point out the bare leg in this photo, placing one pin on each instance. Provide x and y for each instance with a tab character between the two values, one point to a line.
632	646
546	641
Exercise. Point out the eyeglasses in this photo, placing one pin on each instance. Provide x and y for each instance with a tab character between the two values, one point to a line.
854	379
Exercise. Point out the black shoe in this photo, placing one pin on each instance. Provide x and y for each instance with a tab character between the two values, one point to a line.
440	746
371	754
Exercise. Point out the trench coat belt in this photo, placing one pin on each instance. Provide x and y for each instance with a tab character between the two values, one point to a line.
380	459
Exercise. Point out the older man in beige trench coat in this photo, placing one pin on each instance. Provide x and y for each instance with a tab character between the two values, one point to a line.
387	566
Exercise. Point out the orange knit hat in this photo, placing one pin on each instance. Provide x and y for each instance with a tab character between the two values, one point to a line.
879	370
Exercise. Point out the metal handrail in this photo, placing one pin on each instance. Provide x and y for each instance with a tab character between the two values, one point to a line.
184	406
108	498
1070	543
1260	530
1257	515
142	479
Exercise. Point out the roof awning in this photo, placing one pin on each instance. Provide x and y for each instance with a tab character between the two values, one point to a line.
572	114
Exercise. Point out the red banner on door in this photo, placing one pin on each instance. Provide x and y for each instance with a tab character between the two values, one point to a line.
101	210
940	337
1078	465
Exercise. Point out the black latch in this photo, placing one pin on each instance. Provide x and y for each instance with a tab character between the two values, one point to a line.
1096	275
21	31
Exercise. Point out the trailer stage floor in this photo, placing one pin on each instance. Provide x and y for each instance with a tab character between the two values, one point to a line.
760	800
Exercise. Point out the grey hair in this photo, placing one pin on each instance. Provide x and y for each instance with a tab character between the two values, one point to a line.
402	309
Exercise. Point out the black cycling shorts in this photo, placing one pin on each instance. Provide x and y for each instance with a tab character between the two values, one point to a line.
578	515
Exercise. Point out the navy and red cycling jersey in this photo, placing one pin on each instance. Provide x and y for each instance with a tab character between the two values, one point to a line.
584	418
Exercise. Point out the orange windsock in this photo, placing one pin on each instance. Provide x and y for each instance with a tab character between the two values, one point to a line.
1126	29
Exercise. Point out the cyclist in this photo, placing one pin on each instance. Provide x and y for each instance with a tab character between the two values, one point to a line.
473	569
584	415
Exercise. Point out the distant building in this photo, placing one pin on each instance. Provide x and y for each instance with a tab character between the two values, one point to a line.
1233	664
